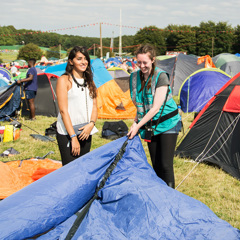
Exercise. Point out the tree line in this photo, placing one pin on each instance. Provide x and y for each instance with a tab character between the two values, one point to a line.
209	38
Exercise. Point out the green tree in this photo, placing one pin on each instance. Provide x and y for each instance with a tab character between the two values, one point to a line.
53	52
28	51
236	44
151	35
180	38
205	35
224	38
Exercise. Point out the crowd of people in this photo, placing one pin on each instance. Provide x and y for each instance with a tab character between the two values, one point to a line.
127	64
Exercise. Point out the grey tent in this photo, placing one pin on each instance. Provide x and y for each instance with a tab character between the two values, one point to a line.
227	62
45	101
179	68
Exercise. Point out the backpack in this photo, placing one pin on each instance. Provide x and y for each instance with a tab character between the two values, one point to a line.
52	130
114	130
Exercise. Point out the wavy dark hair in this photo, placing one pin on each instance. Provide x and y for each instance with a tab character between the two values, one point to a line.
87	75
150	50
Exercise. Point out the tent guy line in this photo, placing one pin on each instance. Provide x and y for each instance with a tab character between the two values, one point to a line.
53	141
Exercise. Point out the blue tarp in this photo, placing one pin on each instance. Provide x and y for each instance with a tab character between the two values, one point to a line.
133	204
100	73
200	87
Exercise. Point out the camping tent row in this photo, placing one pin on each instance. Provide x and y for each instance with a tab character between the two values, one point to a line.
181	66
114	101
113	90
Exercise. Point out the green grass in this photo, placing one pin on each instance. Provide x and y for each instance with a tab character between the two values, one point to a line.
208	184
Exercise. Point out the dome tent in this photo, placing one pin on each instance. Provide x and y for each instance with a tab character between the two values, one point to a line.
198	88
214	134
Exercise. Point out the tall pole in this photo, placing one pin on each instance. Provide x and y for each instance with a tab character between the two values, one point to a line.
120	34
101	52
94	50
111	44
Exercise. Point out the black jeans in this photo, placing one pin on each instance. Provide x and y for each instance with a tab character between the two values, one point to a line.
161	150
64	144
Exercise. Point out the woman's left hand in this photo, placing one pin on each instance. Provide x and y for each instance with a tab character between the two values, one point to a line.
86	130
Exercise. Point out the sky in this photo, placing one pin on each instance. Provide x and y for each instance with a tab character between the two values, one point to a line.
83	18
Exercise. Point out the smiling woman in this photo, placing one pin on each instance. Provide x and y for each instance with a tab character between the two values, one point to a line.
157	118
76	93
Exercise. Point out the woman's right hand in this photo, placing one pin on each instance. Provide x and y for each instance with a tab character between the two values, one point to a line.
133	131
75	146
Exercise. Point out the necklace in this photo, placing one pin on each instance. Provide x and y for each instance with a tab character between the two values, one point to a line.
79	84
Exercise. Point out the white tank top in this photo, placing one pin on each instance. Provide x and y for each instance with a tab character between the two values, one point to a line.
80	106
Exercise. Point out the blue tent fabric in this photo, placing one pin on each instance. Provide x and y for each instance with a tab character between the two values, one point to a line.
114	60
200	87
133	204
3	82
100	73
58	69
14	103
5	74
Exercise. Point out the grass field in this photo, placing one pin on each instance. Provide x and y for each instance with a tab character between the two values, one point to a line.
210	185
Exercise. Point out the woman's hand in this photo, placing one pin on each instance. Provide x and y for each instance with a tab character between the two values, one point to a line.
75	146
133	130
86	130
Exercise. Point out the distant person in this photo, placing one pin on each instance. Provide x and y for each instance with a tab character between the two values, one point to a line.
13	70
30	86
124	66
18	72
77	101
157	117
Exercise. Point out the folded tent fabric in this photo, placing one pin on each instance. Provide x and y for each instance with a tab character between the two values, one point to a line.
16	175
133	204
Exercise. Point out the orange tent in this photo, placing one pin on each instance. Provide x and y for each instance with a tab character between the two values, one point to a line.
115	102
16	175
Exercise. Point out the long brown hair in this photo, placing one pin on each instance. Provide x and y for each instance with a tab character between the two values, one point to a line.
87	75
150	50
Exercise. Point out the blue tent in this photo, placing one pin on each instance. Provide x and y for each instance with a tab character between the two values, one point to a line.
10	100
100	73
58	69
199	87
116	61
5	74
133	204
3	82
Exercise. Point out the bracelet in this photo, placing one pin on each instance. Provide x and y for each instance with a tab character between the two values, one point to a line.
92	122
74	135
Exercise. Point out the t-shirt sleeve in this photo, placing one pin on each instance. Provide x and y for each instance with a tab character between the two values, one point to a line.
30	71
163	80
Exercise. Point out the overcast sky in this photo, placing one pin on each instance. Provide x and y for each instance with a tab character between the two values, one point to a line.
48	15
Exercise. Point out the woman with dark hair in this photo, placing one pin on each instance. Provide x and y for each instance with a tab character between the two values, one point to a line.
77	101
157	117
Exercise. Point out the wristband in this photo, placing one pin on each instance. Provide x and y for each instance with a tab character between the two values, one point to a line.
74	135
92	122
